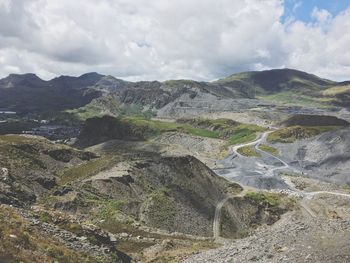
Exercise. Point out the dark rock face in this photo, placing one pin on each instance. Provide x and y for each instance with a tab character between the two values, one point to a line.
97	130
314	120
242	215
63	155
66	155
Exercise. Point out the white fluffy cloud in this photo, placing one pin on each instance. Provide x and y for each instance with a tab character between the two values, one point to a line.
139	39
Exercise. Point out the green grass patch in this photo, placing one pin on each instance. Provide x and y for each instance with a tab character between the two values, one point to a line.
248	151
269	149
242	136
272	199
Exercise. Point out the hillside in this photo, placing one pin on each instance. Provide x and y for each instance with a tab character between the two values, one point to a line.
29	166
101	129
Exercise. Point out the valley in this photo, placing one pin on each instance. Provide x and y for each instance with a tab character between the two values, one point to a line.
248	168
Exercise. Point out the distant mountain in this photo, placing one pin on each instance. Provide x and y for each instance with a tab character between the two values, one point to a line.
28	93
274	81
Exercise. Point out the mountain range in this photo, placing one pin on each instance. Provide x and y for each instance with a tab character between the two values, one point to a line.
28	93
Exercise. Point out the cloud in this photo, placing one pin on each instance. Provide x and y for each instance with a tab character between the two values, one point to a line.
321	47
321	15
138	39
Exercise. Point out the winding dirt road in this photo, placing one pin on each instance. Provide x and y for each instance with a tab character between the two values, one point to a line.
306	195
217	218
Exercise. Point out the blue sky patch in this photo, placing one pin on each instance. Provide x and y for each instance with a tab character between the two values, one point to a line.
302	9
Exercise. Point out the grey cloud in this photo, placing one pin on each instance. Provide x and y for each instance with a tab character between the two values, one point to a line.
139	39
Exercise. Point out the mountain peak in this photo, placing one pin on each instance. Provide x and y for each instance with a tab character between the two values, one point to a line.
91	75
28	79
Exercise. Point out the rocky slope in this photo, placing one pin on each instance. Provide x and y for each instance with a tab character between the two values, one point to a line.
297	237
99	195
28	167
177	194
325	156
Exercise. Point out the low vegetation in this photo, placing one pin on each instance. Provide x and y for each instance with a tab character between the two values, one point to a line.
86	170
159	127
109	105
245	133
161	207
234	188
19	242
248	151
16	126
293	98
231	131
272	199
336	90
19	152
291	134
269	149
138	128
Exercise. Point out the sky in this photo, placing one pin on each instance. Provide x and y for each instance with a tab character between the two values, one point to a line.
174	39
